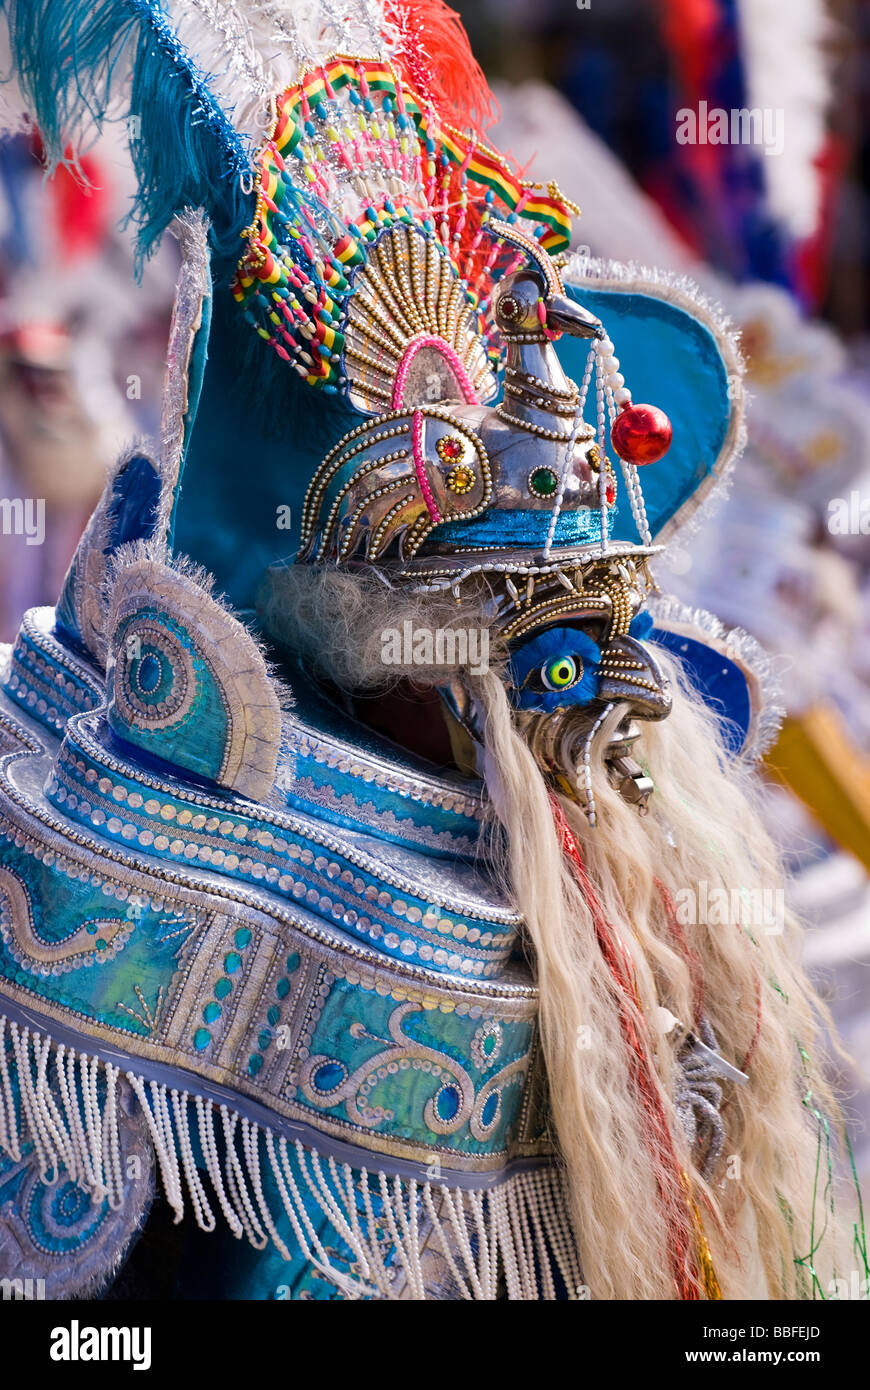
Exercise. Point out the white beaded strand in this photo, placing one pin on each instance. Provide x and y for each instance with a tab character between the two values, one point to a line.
409	1240
614	379
383	1275
65	1069
236	1184
297	1209
45	1154
93	1119
9	1131
513	1227
251	1147
208	1143
164	1145
569	451
58	1132
550	1195
600	408
591	813
344	1185
326	1200
632	482
439	1229
112	1170
205	1217
507	1246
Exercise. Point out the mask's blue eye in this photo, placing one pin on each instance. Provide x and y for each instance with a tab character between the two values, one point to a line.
558	667
562	673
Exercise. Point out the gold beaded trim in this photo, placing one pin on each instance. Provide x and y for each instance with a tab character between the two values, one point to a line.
369	467
628	680
532	382
552	406
357	441
509	419
552	608
384	524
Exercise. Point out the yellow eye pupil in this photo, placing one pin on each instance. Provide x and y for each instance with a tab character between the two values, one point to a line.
559	674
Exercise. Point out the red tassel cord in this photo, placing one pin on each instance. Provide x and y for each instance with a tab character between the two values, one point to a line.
694	965
670	1180
692	959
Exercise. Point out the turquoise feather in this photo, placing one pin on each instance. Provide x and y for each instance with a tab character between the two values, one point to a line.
72	58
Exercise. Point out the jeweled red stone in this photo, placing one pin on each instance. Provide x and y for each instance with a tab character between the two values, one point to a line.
641	434
451	448
610	494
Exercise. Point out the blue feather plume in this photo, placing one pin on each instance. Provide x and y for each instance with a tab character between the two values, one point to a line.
541	651
72	58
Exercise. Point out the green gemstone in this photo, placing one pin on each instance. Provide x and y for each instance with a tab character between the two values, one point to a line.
543	482
222	987
201	1039
211	1011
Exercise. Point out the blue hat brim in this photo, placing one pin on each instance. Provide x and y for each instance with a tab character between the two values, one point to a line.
675	352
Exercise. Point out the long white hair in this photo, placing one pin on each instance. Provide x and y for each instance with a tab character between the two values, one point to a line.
765	1213
611	955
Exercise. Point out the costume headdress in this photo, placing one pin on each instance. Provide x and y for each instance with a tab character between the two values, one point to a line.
255	941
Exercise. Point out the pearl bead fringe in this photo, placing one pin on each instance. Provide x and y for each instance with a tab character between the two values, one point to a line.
514	1235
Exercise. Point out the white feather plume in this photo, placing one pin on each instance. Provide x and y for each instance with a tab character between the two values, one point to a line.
254	51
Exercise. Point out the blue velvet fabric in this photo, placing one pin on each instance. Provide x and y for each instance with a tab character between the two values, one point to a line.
130	517
135	499
720	681
251	453
671	360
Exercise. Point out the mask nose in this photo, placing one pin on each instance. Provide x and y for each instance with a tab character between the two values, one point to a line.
565	315
630	674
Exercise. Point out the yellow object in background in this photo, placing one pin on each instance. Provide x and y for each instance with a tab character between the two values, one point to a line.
816	759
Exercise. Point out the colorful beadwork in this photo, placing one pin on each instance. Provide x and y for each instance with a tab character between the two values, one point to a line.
345	118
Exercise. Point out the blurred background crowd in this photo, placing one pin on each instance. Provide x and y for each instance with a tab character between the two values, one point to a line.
593	93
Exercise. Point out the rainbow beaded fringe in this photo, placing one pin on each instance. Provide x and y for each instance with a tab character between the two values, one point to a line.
369	153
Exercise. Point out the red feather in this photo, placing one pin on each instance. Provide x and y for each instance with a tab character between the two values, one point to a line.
436	59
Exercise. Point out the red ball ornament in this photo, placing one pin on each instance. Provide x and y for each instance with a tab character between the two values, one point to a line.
641	434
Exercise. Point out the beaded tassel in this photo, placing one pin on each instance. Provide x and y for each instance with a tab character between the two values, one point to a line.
512	1235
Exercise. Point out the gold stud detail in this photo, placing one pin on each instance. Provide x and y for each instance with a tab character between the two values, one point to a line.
460	479
450	449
